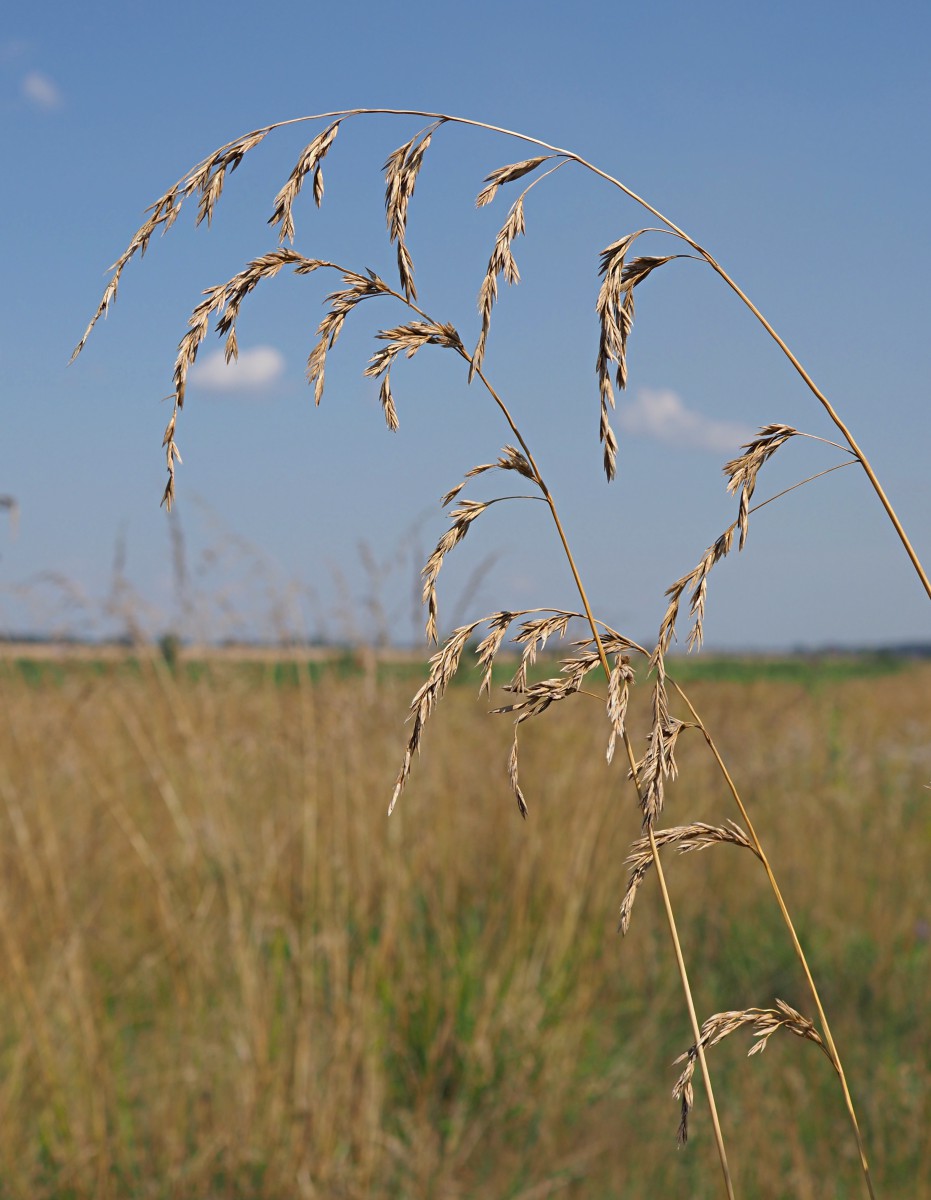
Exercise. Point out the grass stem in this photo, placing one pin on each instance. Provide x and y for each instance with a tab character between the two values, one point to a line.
800	953
667	903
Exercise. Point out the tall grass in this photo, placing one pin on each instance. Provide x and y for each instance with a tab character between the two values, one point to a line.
222	977
671	712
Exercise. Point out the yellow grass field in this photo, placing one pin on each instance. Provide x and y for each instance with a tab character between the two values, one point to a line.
226	973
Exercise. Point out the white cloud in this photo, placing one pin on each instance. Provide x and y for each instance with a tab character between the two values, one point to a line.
41	92
663	415
255	369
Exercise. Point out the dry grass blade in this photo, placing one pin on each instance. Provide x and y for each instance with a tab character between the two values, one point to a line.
498	625
214	301
513	776
510	459
310	159
462	518
697	836
658	764
198	327
764	1022
619	681
406	339
620	677
535	700
210	176
742	471
533	636
402	168
239	287
172	456
697	580
613	642
207	178
507	175
537	697
224	299
342	302
638	269
615	308
386	399
501	262
443	666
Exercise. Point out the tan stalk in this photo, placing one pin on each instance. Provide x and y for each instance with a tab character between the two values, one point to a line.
826	1029
660	875
800	953
182	190
593	625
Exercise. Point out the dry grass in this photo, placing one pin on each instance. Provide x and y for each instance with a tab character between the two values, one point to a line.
604	649
228	975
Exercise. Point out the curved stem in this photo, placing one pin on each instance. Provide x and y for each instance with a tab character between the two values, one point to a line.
802	482
654	848
835	417
660	874
683	974
708	258
670	226
800	953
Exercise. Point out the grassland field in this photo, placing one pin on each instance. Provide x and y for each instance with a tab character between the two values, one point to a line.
226	973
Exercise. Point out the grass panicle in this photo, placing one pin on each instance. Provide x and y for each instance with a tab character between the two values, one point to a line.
602	654
309	162
697	836
406	339
443	666
402	168
763	1021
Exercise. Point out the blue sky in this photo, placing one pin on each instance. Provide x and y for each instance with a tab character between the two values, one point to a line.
790	140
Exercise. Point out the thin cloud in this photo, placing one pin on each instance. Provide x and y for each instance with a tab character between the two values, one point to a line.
13	49
664	416
41	92
255	369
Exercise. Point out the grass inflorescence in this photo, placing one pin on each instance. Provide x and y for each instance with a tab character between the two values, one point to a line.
665	726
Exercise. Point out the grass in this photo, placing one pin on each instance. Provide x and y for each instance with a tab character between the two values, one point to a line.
810	670
604	651
227	974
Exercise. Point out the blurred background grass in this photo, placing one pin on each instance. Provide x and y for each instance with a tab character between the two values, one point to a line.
227	974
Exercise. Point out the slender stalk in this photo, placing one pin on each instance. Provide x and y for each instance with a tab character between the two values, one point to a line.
800	953
683	974
833	414
660	874
185	187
